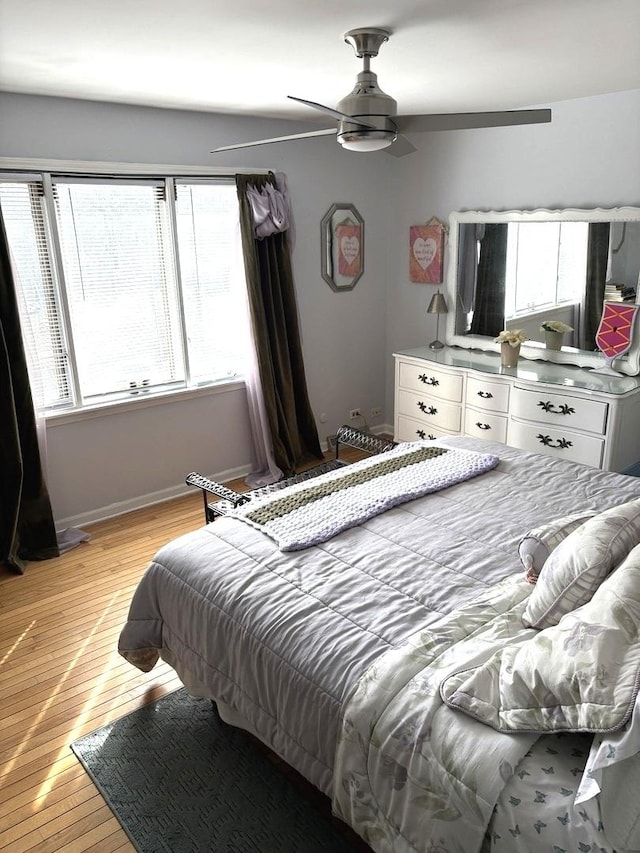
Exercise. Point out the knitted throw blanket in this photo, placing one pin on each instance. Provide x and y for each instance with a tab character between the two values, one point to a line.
311	512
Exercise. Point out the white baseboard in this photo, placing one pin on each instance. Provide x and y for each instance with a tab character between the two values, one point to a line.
140	502
380	429
171	493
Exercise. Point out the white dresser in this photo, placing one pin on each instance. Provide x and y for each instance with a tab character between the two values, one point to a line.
560	410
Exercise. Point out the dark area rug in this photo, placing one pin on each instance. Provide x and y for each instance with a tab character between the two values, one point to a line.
179	779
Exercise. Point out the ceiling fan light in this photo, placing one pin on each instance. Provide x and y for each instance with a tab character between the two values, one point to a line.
365	144
366	140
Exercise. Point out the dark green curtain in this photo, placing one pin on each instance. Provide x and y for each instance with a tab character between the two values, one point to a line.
488	312
274	318
27	530
597	261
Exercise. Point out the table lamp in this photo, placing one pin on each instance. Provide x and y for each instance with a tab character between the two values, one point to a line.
437	306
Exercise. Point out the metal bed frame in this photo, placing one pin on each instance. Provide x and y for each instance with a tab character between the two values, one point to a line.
228	499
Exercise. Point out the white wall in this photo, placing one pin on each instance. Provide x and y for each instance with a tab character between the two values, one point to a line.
119	460
587	157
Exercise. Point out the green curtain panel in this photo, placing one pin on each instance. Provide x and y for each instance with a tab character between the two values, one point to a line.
27	530
597	261
274	318
488	316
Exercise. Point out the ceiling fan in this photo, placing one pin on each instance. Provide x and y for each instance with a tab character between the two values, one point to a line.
367	119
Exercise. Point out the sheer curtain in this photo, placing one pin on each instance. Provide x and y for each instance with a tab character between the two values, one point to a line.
470	235
27	529
264	469
284	431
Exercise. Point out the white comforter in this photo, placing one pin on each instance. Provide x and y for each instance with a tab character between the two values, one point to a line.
281	638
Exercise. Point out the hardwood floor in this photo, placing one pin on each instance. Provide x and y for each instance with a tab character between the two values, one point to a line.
61	677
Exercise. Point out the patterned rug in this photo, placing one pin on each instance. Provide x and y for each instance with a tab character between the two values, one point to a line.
180	780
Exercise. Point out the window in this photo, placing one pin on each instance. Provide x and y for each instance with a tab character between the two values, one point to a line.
126	286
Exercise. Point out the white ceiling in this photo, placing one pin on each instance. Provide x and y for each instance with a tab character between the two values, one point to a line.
245	56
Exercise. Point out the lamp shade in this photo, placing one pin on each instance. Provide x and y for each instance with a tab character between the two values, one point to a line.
438	304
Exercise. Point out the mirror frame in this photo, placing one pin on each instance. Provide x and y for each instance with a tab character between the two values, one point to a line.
340	210
628	364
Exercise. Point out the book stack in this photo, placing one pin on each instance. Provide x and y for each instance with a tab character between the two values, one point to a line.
613	292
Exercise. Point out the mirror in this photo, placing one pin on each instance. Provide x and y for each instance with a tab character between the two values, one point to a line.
518	269
342	246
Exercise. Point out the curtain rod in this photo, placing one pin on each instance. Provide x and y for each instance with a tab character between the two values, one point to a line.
105	168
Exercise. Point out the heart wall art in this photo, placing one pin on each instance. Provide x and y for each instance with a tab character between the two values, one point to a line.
426	249
348	238
342	246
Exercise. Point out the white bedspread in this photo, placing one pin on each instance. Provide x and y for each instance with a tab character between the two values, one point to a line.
412	774
282	638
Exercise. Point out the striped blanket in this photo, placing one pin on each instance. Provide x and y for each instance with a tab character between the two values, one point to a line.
311	512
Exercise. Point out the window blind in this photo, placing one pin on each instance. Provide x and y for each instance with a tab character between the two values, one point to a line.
119	285
23	215
210	260
127	285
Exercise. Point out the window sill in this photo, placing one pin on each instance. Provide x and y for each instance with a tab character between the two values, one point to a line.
159	399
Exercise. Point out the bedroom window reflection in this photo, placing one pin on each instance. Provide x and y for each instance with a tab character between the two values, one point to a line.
546	265
126	286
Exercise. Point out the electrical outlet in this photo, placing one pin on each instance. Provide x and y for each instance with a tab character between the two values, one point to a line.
376	411
354	413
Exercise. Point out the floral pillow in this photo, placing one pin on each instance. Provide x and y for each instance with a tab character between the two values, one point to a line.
576	568
582	674
536	546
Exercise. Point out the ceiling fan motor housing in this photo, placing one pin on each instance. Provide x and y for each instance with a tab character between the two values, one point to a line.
367	100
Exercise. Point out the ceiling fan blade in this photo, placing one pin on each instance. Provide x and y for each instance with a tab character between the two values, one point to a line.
330	111
464	121
327	132
401	147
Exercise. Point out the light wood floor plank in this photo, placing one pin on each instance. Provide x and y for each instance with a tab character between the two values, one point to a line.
51	694
61	677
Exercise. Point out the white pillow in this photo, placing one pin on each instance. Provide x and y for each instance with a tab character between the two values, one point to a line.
577	567
535	547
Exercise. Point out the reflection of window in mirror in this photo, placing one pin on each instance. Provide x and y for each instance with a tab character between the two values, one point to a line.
545	270
519	274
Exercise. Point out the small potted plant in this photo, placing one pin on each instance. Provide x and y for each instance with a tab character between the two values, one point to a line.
554	332
510	341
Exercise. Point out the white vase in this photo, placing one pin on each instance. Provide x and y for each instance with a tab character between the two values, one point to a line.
509	355
553	340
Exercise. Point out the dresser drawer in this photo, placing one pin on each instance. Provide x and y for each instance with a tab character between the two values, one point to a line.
560	443
430	410
492	396
427	379
412	430
481	424
559	409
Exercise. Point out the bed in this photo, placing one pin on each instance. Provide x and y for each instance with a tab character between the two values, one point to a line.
405	665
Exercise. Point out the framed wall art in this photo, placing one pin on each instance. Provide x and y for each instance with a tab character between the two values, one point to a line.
426	252
342	235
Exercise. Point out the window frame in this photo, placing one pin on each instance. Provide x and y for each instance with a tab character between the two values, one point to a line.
44	170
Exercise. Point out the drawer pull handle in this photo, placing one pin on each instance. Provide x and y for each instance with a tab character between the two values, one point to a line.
428	380
483	426
561	443
562	409
422	434
486	395
428	410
